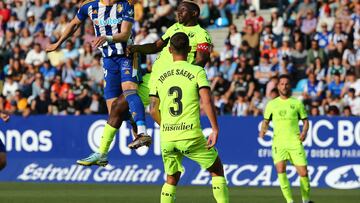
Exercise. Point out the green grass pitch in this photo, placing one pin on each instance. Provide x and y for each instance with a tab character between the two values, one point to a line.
98	193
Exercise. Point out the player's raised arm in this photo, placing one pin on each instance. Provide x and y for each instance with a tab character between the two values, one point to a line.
150	48
209	109
69	30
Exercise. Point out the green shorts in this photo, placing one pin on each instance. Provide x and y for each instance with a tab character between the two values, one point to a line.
144	90
295	153
194	149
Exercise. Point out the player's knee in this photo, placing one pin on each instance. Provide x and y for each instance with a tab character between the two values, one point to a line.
303	173
217	168
173	179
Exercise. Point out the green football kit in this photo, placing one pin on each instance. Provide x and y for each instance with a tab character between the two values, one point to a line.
285	116
180	131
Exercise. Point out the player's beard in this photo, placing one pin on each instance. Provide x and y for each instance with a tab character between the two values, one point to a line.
285	92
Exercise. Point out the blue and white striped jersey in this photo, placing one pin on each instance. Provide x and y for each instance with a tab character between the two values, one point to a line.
107	21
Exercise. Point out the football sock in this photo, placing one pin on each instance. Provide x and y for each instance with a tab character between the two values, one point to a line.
305	188
137	109
285	187
220	189
106	138
168	193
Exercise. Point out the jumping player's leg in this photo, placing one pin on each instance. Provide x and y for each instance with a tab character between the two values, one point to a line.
129	85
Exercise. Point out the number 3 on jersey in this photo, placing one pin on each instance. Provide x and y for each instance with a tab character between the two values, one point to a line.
177	100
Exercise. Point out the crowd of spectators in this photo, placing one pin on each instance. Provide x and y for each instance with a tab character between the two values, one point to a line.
316	42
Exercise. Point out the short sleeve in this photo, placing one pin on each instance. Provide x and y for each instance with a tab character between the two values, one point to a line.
168	32
128	13
302	111
82	13
153	86
201	79
204	42
268	112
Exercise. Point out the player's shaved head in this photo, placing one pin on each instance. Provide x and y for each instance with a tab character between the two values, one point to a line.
193	6
179	43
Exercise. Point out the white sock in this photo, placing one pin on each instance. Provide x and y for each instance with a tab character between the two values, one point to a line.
141	129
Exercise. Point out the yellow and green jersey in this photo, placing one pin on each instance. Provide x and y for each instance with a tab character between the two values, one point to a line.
177	88
285	116
198	37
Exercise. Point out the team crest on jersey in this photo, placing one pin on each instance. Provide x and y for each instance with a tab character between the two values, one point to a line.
119	8
191	34
282	113
292	106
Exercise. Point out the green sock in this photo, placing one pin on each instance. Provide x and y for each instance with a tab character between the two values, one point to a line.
285	187
106	138
305	188
168	193
220	189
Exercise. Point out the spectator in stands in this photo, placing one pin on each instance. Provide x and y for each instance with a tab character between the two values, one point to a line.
313	90
337	36
10	87
352	82
241	106
335	87
86	57
72	107
347	111
220	85
25	39
36	56
277	24
308	26
38	9
247	52
204	17
298	57
263	72
70	52
304	7
251	37
349	57
68	72
41	104
257	104
323	36
41	39
234	38
326	21
315	52
239	84
333	111
336	68
256	22
353	102
314	111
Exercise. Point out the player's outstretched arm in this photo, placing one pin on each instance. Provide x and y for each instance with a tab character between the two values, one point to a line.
154	109
150	48
123	36
264	128
209	109
304	130
69	30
